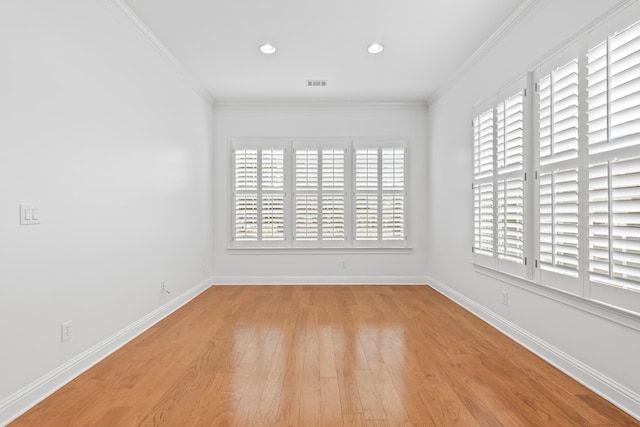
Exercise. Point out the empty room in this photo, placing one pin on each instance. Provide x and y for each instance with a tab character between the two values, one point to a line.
336	213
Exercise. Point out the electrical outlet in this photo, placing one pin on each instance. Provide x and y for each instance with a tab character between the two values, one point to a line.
163	286
66	331
343	263
505	298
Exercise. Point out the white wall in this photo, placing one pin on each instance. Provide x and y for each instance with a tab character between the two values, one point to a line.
320	121
605	347
108	137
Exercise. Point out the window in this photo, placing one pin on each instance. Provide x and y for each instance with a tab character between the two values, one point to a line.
584	219
330	193
379	194
498	184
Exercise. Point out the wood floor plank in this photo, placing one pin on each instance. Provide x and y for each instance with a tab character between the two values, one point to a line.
323	356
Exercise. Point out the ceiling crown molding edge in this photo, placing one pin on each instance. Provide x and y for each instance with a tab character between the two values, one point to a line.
155	41
319	106
505	28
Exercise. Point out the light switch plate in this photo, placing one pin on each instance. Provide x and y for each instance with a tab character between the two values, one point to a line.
29	214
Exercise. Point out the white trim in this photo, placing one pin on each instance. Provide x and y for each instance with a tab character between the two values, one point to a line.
27	397
320	106
516	16
155	41
319	280
621	396
309	250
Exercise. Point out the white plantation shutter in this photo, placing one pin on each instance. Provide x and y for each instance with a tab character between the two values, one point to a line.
259	197
320	195
558	139
613	122
380	194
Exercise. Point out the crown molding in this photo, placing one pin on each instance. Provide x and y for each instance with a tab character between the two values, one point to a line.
155	41
518	15
319	106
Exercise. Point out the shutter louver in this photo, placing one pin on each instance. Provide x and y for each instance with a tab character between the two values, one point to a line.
273	169
333	169
366	197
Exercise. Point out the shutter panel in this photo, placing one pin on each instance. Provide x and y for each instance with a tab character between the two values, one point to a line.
246	195
367	169
246	169
273	169
393	169
510	134
333	217
511	220
614	89
393	217
614	221
559	221
306	206
333	169
558	114
306	169
624	87
273	217
613	76
246	217
483	144
483	218
366	227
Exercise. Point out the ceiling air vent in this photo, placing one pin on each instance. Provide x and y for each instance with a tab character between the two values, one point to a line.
316	83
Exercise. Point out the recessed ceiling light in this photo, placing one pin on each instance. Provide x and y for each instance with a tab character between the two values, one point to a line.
375	48
267	49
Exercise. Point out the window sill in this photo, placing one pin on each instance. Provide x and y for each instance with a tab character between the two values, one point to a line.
606	311
317	251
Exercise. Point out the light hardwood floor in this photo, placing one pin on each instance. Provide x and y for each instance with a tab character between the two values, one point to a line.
323	356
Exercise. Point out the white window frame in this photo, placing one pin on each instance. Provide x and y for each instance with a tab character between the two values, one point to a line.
494	260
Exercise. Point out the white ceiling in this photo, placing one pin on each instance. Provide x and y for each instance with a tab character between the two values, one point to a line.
425	41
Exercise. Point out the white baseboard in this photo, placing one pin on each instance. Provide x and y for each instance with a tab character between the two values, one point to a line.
24	399
621	396
319	280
